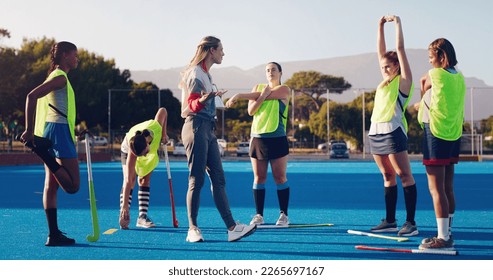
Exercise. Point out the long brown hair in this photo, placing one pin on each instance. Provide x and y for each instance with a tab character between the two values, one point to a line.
138	142
207	43
57	51
444	51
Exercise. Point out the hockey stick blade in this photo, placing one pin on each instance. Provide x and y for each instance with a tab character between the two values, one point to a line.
94	215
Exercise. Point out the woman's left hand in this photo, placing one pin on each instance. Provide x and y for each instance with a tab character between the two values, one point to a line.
231	101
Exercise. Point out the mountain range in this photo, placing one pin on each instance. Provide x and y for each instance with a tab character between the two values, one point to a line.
361	71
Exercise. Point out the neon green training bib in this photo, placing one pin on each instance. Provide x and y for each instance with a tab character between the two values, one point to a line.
386	100
266	119
446	113
42	107
145	164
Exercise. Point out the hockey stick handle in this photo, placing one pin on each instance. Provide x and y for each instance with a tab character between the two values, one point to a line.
166	159
356	232
412	251
88	159
170	182
92	196
293	226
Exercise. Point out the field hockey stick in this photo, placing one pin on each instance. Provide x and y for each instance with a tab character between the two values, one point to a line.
293	226
170	182
412	251
399	239
92	196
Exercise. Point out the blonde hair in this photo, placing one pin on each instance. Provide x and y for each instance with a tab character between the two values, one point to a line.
207	43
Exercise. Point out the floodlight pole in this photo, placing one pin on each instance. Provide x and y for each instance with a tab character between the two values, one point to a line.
472	123
222	129
328	122
292	110
363	118
109	120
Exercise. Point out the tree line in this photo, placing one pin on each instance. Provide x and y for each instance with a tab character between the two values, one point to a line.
23	69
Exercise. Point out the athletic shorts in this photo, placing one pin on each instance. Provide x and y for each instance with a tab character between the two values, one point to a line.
269	148
437	151
389	143
63	144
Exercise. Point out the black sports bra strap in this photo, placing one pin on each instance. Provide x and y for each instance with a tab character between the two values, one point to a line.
58	111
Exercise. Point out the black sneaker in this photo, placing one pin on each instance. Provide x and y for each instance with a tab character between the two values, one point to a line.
408	229
385	226
59	239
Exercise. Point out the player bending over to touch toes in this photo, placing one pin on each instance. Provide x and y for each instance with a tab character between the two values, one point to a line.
139	157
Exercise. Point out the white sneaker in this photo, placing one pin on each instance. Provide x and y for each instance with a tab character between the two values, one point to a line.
257	219
240	231
194	235
283	220
145	222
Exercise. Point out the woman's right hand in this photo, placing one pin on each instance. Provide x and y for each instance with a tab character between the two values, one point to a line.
124	218
26	137
382	20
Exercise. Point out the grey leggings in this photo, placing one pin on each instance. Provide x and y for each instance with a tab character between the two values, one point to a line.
203	156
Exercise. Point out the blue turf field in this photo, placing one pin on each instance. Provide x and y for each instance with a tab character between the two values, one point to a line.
348	194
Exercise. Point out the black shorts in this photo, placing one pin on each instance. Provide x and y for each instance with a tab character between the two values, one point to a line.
390	143
269	148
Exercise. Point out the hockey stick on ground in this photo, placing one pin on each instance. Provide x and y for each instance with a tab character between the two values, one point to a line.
293	226
412	251
92	196
171	196
400	239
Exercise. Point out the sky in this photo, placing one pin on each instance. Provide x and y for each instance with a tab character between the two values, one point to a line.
154	34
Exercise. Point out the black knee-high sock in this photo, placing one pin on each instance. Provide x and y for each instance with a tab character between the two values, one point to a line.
283	196
51	218
129	198
390	194
410	197
144	195
259	199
